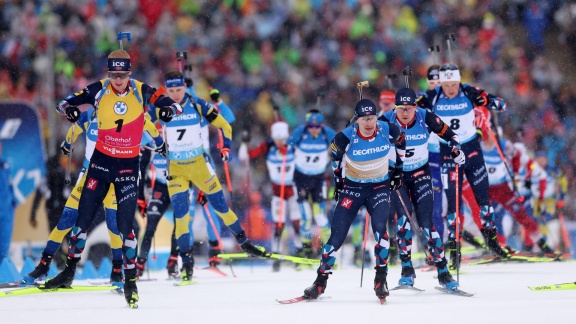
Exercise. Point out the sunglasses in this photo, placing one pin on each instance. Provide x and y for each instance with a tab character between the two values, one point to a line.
314	125
114	75
405	108
368	118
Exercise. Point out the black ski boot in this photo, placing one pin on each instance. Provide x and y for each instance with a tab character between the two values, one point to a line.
253	250
65	277
130	288
380	284
444	277
172	266
493	244
187	271
473	240
454	253
317	288
544	246
408	274
213	259
40	272
116	276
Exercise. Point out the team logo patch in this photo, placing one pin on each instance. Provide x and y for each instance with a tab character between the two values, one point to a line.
346	203
120	107
91	184
473	154
417	174
125	171
453	175
157	195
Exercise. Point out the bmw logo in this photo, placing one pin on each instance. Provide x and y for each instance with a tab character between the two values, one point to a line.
120	108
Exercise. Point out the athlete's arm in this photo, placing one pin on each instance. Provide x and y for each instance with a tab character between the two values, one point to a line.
438	126
211	114
84	96
152	130
484	99
295	136
399	139
157	97
338	148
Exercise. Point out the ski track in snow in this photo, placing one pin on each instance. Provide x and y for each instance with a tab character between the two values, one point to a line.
502	296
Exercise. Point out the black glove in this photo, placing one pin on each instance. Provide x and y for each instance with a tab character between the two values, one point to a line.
214	94
72	114
338	183
481	100
161	149
245	136
202	199
188	82
396	179
166	114
423	102
64	148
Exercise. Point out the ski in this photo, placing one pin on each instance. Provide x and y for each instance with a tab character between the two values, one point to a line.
406	287
119	285
382	301
41	290
281	257
215	270
185	283
562	286
453	272
300	299
456	292
515	258
10	285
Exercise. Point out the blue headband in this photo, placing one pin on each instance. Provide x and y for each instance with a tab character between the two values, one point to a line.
118	64
174	82
314	118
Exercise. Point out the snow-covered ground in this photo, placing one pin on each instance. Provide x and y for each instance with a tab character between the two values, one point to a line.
501	296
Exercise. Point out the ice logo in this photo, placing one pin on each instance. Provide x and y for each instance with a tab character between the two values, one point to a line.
120	108
449	75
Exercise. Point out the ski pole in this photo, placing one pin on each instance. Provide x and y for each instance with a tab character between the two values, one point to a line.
211	220
496	138
168	176
417	228
226	169
366	222
564	231
67	178
281	209
457	261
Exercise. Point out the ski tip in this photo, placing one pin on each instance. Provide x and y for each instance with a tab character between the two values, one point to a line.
383	301
133	305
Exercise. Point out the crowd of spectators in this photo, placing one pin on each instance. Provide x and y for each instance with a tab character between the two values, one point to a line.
261	53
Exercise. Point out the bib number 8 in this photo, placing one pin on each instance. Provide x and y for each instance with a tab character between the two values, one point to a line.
455	123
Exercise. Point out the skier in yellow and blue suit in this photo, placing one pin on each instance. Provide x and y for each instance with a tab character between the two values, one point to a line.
188	166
